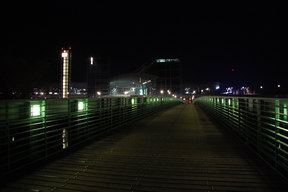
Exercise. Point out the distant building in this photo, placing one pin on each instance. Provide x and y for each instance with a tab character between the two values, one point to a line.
98	72
169	71
133	84
78	89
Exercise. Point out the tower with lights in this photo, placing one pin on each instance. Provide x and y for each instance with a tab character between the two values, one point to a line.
66	72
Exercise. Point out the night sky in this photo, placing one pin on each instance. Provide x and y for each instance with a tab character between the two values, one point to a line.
210	39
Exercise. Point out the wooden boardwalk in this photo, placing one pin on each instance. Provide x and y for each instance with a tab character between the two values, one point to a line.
176	150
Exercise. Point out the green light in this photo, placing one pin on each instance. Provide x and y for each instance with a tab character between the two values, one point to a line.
160	60
81	106
35	110
285	112
132	101
277	110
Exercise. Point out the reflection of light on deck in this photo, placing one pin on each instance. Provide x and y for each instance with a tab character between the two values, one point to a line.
65	138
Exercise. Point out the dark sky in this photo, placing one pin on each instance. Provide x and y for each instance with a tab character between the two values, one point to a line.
211	39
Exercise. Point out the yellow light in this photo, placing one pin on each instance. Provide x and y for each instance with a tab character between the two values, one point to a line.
64	54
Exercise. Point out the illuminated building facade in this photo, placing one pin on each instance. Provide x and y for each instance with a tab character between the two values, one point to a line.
133	84
66	71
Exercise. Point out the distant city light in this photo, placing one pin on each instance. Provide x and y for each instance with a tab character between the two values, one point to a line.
126	92
98	93
161	91
146	82
167	60
64	54
217	87
261	87
91	61
278	86
229	90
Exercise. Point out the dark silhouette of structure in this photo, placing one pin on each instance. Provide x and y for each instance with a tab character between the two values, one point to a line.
169	71
98	73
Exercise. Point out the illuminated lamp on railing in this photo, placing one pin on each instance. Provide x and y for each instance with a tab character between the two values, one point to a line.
82	105
35	110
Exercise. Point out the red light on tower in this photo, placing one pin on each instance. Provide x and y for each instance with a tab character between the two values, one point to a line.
69	48
233	70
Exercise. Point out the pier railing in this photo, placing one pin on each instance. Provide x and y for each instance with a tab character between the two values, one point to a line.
262	123
35	130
